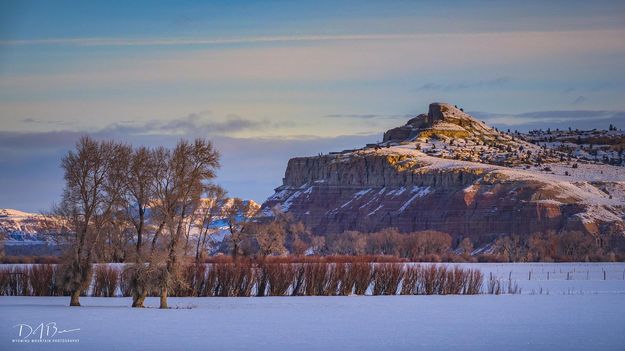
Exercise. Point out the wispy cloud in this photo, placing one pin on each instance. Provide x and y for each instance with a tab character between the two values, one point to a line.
204	41
583	119
198	123
38	121
367	116
211	41
195	124
339	58
497	82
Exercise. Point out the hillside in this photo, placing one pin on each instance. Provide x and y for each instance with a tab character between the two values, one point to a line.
24	233
447	171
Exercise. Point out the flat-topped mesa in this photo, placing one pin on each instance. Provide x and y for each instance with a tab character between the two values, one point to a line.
442	119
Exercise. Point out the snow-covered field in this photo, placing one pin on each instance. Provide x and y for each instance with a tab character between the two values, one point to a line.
558	278
506	322
584	312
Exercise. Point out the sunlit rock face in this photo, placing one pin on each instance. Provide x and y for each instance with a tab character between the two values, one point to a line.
446	171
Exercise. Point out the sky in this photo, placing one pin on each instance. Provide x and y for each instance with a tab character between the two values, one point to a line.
270	80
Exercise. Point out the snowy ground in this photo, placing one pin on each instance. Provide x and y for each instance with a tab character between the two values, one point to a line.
506	322
558	278
584	312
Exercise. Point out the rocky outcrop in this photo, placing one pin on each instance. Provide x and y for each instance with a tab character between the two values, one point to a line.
398	185
441	119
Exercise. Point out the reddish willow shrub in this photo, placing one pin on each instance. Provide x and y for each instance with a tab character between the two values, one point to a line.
298	284
272	278
441	280
315	278
345	276
498	287
35	280
43	280
14	281
125	284
234	279
386	278
313	259
280	277
105	281
191	282
362	273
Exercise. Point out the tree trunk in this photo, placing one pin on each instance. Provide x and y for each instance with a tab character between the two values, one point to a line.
164	299
138	300
197	249
235	250
140	228
75	298
158	232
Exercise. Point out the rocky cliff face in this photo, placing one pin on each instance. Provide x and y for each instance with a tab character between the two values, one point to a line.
446	171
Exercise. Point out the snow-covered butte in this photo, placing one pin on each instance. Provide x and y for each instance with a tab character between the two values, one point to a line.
446	171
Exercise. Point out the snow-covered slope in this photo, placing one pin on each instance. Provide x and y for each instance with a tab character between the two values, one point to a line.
31	233
18	226
24	233
605	146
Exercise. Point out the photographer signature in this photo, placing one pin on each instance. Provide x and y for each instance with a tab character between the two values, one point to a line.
41	330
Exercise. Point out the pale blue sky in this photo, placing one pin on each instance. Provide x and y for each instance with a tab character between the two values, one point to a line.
272	80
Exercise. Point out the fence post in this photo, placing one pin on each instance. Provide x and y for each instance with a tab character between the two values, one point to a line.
529	276
547	275
604	274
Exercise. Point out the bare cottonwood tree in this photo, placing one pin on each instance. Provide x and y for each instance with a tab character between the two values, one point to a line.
138	196
115	240
92	181
270	238
215	196
139	191
466	247
182	177
297	236
239	215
